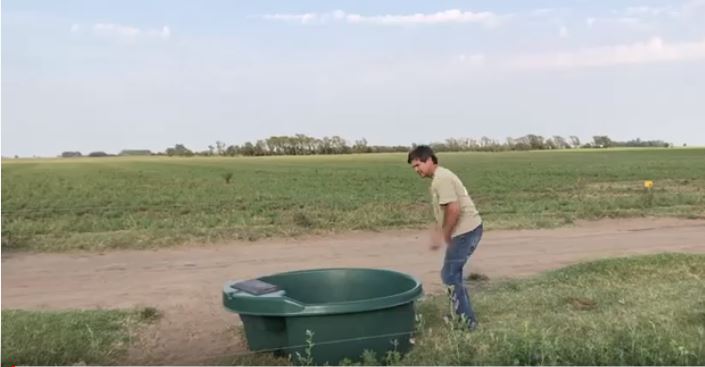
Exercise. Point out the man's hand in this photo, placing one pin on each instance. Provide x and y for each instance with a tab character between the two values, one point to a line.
451	217
436	238
448	239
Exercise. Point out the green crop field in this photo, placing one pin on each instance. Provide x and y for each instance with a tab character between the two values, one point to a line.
100	203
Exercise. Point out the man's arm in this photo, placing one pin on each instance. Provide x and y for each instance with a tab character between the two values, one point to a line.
450	220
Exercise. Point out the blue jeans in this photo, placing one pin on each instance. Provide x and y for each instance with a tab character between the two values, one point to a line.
457	254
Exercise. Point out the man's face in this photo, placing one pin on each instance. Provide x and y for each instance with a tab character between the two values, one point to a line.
424	169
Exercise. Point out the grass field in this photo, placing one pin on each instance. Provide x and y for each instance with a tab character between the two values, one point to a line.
95	337
647	310
101	203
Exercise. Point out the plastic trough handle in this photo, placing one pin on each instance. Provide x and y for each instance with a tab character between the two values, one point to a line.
255	287
244	297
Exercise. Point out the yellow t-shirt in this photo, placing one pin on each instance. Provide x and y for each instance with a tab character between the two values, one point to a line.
446	187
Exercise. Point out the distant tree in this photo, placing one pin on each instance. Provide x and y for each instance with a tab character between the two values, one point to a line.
550	144
261	148
642	143
325	146
510	143
71	154
602	141
575	141
98	154
522	143
232	150
560	142
133	152
339	145
536	141
301	144
486	142
179	150
361	146
388	149
309	144
220	148
453	145
439	147
248	149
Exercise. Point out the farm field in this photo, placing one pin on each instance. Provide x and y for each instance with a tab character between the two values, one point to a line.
130	253
150	202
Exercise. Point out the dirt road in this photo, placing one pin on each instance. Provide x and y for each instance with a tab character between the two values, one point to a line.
185	282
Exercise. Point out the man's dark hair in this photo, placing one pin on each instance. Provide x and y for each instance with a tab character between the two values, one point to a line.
422	153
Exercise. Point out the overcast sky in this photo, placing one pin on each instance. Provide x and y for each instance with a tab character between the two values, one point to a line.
110	75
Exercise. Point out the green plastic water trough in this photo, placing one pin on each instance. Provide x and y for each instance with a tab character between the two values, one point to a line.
340	312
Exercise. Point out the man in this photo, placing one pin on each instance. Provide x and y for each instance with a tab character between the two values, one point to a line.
458	225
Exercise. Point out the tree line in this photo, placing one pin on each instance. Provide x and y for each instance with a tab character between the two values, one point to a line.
301	144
